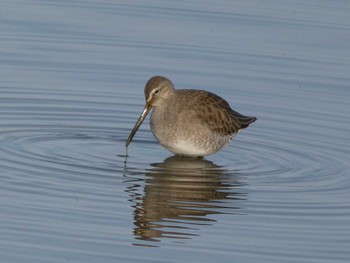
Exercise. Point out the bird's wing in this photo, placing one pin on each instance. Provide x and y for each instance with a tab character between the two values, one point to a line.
215	113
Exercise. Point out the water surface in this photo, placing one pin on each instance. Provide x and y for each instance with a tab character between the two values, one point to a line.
72	75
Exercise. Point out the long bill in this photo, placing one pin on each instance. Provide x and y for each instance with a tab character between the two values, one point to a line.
138	123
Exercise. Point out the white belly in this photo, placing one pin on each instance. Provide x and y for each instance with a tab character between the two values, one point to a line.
182	147
195	142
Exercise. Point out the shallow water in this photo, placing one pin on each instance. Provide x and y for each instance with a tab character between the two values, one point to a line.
71	88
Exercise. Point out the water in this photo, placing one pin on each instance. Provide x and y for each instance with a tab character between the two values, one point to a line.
71	88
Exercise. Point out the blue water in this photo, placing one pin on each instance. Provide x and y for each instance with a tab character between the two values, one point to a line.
72	75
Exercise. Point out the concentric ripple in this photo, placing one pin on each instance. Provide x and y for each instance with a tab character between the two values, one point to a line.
287	158
43	130
71	83
293	148
56	140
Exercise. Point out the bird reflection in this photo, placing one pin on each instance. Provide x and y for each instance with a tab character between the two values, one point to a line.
178	197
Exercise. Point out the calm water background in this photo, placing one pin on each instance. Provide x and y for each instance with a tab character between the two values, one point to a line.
72	75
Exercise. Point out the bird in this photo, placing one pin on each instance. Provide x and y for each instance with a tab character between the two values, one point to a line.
189	122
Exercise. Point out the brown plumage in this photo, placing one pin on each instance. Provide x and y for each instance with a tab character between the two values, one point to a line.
189	122
215	112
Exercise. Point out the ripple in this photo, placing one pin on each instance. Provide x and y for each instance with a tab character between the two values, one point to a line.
287	158
71	144
58	139
278	193
290	148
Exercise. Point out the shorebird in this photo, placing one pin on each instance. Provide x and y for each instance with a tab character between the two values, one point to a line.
189	122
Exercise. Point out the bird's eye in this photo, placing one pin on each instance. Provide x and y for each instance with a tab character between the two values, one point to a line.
156	92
